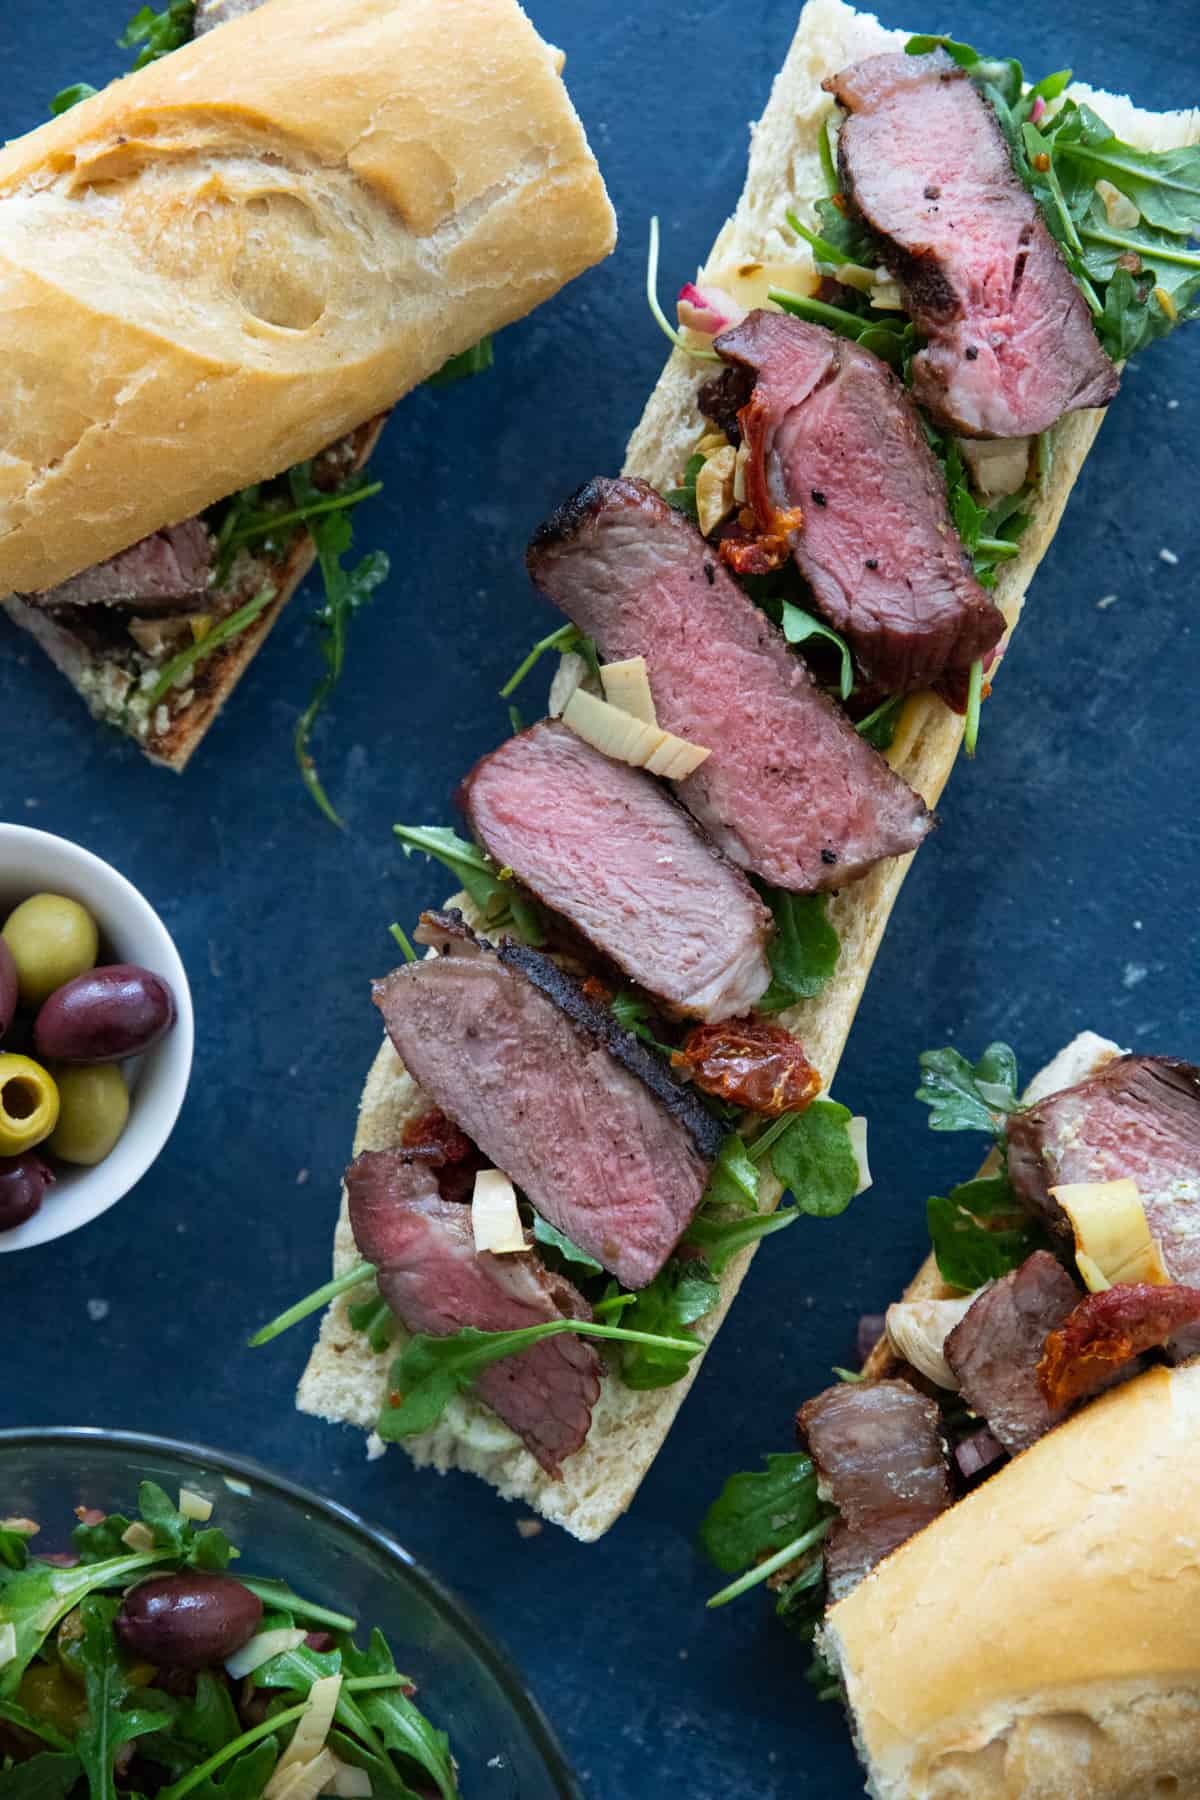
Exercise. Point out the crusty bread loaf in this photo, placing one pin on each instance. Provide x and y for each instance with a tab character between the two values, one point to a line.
343	1380
1041	1640
230	259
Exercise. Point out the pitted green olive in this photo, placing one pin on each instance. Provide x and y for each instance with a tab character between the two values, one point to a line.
94	1105
52	940
29	1104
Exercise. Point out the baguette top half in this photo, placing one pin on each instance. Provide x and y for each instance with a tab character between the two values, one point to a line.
1041	1639
344	1381
233	257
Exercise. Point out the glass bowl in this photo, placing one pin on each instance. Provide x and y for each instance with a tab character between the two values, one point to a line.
466	1684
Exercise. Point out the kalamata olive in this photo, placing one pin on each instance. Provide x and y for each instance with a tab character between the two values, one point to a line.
52	939
23	1182
192	1620
105	1015
93	1109
9	987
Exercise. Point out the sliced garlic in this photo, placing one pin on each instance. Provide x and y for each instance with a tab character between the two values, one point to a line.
630	740
495	1220
1112	1234
1122	213
917	1330
714	489
627	685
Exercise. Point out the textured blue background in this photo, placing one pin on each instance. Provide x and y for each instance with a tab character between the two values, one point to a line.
1060	892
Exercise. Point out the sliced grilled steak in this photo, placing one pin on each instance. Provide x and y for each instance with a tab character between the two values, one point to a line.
607	847
1106	1335
164	573
880	1459
1138	1118
582	1117
790	790
995	1349
923	160
435	1281
833	432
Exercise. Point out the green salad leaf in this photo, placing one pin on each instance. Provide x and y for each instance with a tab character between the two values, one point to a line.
68	97
879	726
963	1096
395	1722
14	1547
502	902
682	1292
799	626
813	1157
721	1239
803	950
110	1722
34	1600
551	1238
48	1776
244	1778
154	34
969	1253
474	361
683	498
889	335
374	1318
231	626
734	1178
761	1511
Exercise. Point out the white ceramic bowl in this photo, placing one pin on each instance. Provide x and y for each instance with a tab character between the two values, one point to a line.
35	862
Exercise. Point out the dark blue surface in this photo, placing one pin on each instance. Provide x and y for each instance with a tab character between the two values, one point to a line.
1059	893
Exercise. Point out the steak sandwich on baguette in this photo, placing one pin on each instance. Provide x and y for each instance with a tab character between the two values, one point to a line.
991	1530
228	266
699	768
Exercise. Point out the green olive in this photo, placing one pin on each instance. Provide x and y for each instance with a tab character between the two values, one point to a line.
52	940
29	1104
94	1105
48	1695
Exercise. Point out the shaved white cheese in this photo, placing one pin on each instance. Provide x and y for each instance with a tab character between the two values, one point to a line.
195	1506
138	1536
572	672
261	1649
749	283
349	1783
1112	1234
856	1131
1122	213
998	466
714	490
630	740
8	1644
307	1746
494	1216
304	1781
627	685
917	1330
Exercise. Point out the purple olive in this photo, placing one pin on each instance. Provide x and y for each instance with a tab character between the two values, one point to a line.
188	1621
23	1182
8	987
104	1016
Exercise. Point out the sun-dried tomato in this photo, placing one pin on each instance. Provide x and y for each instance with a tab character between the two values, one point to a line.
448	1150
750	1062
594	989
1108	1329
748	549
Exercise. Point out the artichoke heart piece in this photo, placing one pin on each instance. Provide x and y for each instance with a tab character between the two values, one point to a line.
1112	1235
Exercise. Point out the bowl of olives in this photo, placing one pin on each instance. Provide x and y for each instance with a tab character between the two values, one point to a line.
96	1036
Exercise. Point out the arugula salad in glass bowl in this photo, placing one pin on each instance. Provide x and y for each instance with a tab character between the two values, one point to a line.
180	1625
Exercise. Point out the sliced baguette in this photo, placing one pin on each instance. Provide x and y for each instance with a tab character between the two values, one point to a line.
343	1380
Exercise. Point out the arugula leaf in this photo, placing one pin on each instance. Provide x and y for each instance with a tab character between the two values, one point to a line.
721	1239
734	1178
404	1728
474	361
799	626
966	1097
548	1235
48	1776
803	951
208	1549
246	1776
567	637
813	1156
279	1596
35	1599
385	1778
311	1303
468	864
158	33
109	1724
1164	185
683	498
761	1511
682	1292
889	335
841	239
14	1548
430	1371
229	627
879	726
968	1253
347	591
68	97
375	1319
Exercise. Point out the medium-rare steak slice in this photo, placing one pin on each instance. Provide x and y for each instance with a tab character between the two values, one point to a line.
165	572
607	847
922	158
879	1457
995	1348
435	1281
831	431
1138	1118
790	790
586	1120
